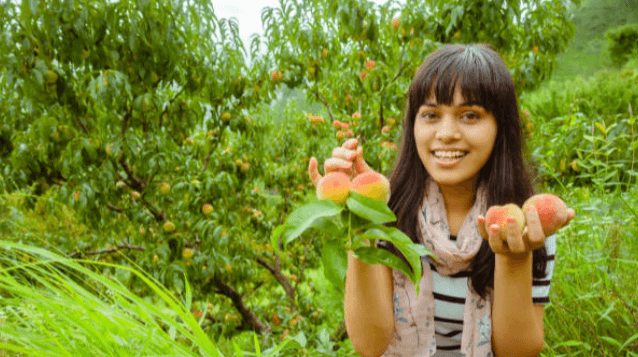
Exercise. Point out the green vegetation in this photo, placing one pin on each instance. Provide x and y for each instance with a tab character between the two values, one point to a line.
86	267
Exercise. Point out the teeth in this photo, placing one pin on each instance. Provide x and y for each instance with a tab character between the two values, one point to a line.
449	154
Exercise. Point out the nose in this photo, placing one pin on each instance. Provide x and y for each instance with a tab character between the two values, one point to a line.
448	129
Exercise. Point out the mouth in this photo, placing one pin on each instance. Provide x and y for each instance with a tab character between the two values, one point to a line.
446	161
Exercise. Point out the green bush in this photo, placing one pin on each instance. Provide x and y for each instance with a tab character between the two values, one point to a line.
582	131
622	41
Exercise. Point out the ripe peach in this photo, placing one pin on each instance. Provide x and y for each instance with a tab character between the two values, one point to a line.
373	185
498	215
551	210
207	209
335	186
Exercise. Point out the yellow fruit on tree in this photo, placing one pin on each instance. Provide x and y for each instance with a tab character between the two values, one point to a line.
207	209
169	227
187	253
164	188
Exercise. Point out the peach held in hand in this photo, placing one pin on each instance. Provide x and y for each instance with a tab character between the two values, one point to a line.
373	185
551	210
335	186
498	215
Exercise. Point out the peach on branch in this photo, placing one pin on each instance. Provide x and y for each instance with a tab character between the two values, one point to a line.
225	117
169	227
164	188
335	186
336	124
395	23
207	209
356	116
370	64
552	211
373	185
341	135
498	215
349	134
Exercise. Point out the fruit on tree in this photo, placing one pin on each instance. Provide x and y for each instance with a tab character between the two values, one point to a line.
225	117
395	23
552	211
373	185
187	253
207	209
335	186
336	124
164	188
135	194
498	215
169	227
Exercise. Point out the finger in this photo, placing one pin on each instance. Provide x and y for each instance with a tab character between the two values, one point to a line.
360	165
534	234
350	144
315	176
496	242
570	215
335	164
344	154
480	225
514	237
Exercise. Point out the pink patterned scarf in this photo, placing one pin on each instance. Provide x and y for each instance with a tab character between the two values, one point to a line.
414	316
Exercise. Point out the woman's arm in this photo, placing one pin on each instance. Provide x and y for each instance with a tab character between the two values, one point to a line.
517	325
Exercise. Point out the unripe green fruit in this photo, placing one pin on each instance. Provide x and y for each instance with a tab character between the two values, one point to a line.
373	185
498	215
207	209
335	186
169	227
552	211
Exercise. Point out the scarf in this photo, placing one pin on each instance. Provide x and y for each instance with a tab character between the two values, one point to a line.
414	316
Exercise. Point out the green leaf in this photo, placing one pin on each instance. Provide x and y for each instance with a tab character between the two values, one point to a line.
372	255
335	263
304	217
189	295
629	340
372	210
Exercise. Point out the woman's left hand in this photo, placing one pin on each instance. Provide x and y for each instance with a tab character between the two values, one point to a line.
516	243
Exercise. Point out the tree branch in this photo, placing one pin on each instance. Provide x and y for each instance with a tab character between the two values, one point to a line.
106	250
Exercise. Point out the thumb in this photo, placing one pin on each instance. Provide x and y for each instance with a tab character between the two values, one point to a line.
313	172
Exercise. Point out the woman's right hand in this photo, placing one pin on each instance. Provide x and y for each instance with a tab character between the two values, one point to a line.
341	160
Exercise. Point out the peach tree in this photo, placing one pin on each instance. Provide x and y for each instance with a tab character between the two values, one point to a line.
358	58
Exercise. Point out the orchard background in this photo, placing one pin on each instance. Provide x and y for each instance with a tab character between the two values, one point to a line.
135	137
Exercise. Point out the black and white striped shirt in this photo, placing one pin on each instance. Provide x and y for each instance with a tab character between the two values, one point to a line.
449	299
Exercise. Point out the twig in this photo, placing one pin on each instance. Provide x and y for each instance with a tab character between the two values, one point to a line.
106	250
325	103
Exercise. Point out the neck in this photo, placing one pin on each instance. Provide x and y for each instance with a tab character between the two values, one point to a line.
459	198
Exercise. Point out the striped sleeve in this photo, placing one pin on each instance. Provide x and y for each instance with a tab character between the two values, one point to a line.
540	287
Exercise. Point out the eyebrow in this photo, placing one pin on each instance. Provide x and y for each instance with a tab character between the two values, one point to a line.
465	104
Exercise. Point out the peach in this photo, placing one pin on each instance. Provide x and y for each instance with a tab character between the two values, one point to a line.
373	185
552	211
498	215
335	186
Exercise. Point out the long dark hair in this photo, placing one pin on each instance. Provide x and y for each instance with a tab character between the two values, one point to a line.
482	76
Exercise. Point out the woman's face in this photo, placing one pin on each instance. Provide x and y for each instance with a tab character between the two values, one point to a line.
463	126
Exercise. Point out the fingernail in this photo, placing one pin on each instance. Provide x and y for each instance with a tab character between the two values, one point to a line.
531	208
494	228
511	220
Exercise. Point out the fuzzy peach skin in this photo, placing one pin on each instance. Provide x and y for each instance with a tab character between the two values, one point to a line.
498	215
373	185
552	211
335	186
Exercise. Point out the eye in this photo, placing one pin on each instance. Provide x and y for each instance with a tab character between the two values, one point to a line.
472	116
427	115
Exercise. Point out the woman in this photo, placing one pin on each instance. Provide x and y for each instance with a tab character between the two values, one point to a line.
461	153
